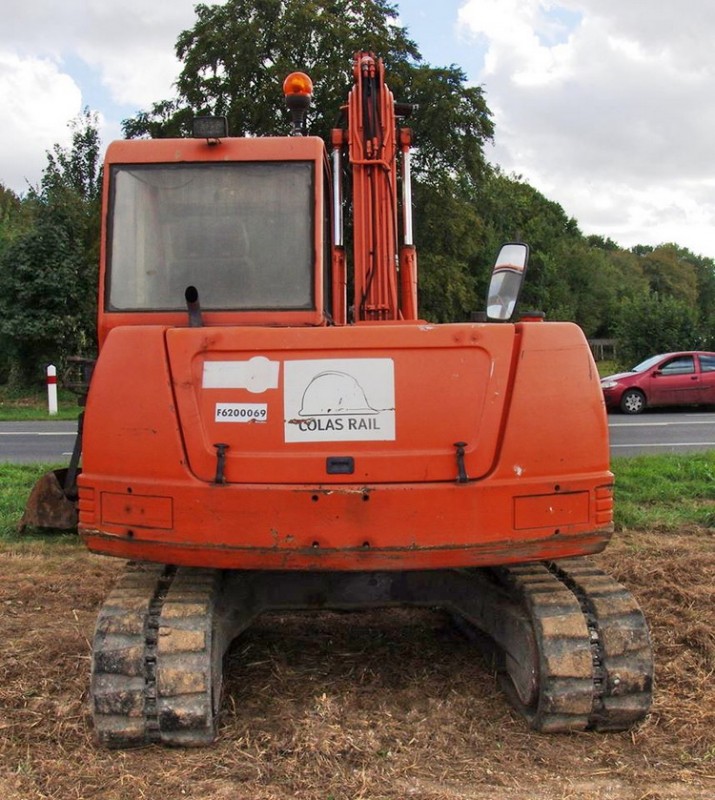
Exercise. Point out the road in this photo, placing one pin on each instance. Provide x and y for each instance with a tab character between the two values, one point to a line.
672	431
28	442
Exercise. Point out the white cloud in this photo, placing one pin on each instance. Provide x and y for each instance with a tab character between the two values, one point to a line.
130	43
143	67
604	106
37	102
127	46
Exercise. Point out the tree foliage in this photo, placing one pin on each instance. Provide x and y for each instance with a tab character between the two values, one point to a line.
237	55
48	272
450	242
669	274
515	211
652	324
451	125
11	214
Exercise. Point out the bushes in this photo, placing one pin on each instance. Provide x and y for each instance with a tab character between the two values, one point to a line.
651	324
48	263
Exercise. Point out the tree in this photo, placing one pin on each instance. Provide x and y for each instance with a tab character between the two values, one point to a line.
514	210
599	278
448	237
236	57
48	273
669	274
703	269
10	215
652	324
450	126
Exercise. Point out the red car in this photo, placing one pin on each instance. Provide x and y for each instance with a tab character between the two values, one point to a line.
671	379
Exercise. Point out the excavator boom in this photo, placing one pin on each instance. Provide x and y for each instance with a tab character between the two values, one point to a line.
372	148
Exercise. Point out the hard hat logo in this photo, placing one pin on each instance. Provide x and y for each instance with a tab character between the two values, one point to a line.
339	400
334	393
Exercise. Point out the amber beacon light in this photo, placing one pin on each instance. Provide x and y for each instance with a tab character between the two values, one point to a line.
298	89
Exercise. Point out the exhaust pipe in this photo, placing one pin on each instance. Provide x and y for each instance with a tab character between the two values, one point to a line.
194	307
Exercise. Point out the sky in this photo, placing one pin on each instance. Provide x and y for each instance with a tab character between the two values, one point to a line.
604	106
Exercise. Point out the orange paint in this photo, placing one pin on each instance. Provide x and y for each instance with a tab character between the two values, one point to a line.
281	437
534	490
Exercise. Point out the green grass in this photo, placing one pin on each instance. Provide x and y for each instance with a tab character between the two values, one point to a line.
607	368
652	492
665	492
20	405
15	483
16	480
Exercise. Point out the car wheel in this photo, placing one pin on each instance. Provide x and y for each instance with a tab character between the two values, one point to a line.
632	402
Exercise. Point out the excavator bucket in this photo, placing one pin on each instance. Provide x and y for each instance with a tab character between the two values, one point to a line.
48	506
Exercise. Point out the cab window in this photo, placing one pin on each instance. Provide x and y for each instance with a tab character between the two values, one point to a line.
240	232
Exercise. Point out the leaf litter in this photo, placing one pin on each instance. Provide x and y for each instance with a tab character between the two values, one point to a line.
391	704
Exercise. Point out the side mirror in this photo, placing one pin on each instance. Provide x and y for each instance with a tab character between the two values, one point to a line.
507	280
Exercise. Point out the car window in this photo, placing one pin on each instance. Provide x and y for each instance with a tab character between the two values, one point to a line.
681	365
707	363
647	364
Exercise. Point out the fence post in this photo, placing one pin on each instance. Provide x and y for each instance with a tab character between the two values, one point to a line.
52	389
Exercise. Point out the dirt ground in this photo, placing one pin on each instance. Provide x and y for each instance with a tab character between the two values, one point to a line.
394	704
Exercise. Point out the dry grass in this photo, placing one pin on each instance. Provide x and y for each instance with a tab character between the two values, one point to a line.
392	704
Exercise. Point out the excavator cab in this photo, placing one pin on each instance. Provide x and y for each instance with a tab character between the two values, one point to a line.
243	222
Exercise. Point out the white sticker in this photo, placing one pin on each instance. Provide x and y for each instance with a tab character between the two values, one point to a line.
339	400
241	412
256	375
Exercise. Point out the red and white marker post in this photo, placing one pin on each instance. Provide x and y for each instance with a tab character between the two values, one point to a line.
52	389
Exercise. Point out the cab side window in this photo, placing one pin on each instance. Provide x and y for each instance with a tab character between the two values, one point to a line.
682	365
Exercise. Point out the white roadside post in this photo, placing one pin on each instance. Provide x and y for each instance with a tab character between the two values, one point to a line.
52	389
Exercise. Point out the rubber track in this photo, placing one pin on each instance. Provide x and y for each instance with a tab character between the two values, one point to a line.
565	695
595	658
156	668
623	658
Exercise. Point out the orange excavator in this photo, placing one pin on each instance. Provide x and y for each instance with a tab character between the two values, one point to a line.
254	441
